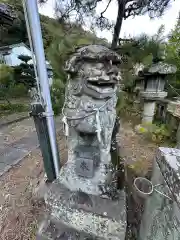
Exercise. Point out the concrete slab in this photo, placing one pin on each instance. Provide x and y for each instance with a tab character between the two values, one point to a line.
10	155
27	143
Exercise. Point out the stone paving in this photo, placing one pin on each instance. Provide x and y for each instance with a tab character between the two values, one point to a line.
17	141
12	118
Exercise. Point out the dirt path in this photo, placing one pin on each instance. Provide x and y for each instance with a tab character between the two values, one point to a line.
138	152
20	211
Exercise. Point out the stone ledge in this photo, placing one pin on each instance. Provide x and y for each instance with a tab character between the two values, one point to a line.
153	95
161	217
174	109
168	160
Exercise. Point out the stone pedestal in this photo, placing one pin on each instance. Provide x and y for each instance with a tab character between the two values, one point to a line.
161	218
74	212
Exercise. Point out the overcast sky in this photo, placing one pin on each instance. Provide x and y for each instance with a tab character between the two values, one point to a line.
131	26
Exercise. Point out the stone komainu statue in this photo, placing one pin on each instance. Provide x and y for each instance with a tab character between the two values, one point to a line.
89	117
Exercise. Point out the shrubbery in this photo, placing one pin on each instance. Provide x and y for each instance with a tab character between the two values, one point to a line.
157	133
18	91
57	95
6	108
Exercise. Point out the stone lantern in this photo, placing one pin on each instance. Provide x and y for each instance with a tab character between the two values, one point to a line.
154	82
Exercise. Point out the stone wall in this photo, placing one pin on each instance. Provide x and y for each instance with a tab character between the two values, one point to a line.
161	217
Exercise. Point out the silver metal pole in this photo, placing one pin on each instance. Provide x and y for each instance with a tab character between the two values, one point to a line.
36	35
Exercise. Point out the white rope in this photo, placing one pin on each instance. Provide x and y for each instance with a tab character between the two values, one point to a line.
97	116
66	126
98	126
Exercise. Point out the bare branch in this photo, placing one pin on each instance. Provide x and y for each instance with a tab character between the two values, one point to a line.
106	8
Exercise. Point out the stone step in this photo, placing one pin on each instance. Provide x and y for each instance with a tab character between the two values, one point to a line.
51	229
101	217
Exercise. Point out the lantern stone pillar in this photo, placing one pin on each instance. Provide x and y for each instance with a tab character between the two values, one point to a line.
148	111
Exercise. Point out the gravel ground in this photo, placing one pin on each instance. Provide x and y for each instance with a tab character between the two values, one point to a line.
16	131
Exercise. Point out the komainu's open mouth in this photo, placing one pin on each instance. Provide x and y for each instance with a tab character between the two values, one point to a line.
101	86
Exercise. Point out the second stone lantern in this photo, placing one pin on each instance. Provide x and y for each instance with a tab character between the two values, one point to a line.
154	79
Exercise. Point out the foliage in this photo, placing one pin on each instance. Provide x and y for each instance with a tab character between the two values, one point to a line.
59	40
13	107
8	86
6	80
140	167
160	133
120	103
6	75
127	108
64	44
142	130
142	50
18	90
24	73
157	133
173	57
57	95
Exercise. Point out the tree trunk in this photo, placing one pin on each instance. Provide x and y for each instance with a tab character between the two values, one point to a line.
117	27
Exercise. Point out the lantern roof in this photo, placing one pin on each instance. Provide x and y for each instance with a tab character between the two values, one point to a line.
159	68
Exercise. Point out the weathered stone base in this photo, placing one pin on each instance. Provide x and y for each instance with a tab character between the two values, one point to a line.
51	229
97	217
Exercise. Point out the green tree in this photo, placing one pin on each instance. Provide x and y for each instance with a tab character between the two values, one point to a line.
6	81
57	95
24	58
24	73
141	50
66	9
173	56
65	43
145	48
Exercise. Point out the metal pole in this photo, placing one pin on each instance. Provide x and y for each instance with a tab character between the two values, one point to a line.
36	35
